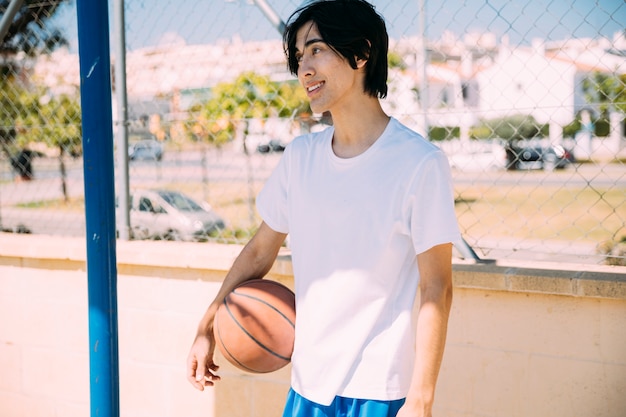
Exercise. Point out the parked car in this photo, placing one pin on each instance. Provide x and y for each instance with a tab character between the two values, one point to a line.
493	159
273	145
171	215
520	156
145	149
22	164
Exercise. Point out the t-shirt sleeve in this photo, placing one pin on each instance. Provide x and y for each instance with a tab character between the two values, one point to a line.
271	202
433	219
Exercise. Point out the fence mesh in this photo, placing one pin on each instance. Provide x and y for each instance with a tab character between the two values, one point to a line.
527	99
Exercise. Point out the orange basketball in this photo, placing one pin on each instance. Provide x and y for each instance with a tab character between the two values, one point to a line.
254	326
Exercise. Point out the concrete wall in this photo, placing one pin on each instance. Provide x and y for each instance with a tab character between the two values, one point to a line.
523	341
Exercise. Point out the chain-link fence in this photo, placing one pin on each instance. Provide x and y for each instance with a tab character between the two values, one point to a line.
526	98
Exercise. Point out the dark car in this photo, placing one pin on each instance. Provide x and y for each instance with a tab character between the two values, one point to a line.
23	164
272	146
146	149
526	156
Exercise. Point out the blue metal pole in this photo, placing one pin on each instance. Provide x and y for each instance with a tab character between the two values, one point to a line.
95	87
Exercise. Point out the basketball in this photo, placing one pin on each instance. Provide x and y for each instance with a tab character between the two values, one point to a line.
254	326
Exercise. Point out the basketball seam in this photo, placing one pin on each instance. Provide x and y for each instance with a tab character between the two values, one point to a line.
219	334
252	297
230	313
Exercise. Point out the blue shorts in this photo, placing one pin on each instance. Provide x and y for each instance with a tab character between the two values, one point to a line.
298	406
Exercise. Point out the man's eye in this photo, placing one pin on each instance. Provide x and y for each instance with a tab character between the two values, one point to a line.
315	51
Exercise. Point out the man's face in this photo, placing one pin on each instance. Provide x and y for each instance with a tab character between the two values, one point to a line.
327	77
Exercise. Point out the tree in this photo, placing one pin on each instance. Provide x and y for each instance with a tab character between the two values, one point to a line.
228	112
396	61
27	36
28	31
607	91
233	105
55	121
8	96
509	128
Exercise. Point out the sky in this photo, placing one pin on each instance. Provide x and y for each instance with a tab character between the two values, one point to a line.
150	22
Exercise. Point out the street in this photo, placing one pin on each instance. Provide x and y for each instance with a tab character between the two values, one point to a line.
31	204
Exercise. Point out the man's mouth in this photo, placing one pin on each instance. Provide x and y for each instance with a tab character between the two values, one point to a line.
314	87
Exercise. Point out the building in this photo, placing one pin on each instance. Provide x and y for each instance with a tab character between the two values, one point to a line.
467	80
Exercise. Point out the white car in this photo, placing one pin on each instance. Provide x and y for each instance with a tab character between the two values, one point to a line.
171	215
479	160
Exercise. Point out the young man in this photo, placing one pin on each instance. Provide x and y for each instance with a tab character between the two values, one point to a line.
369	208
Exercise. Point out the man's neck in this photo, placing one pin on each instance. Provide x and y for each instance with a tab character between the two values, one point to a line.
357	129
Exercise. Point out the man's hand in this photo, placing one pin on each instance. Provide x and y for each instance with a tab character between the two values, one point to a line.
254	261
200	366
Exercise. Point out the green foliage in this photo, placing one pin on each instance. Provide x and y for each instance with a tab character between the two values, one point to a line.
250	96
395	60
570	129
438	133
608	91
31	116
481	132
509	128
55	121
602	127
7	115
27	32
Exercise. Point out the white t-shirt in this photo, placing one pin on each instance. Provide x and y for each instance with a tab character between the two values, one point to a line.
355	227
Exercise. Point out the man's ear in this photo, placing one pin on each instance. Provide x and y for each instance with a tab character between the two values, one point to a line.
360	62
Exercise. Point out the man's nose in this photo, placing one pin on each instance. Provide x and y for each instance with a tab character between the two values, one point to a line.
305	69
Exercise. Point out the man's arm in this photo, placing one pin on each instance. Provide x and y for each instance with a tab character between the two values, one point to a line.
254	261
435	267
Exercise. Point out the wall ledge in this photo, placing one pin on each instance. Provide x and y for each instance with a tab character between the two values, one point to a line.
577	280
210	261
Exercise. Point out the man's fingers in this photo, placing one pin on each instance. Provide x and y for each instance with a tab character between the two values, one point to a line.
209	375
195	373
200	369
200	366
201	374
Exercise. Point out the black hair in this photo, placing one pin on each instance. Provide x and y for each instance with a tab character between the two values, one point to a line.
353	29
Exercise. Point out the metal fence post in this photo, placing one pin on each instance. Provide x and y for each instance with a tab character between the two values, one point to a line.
423	90
8	16
95	77
119	40
271	15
